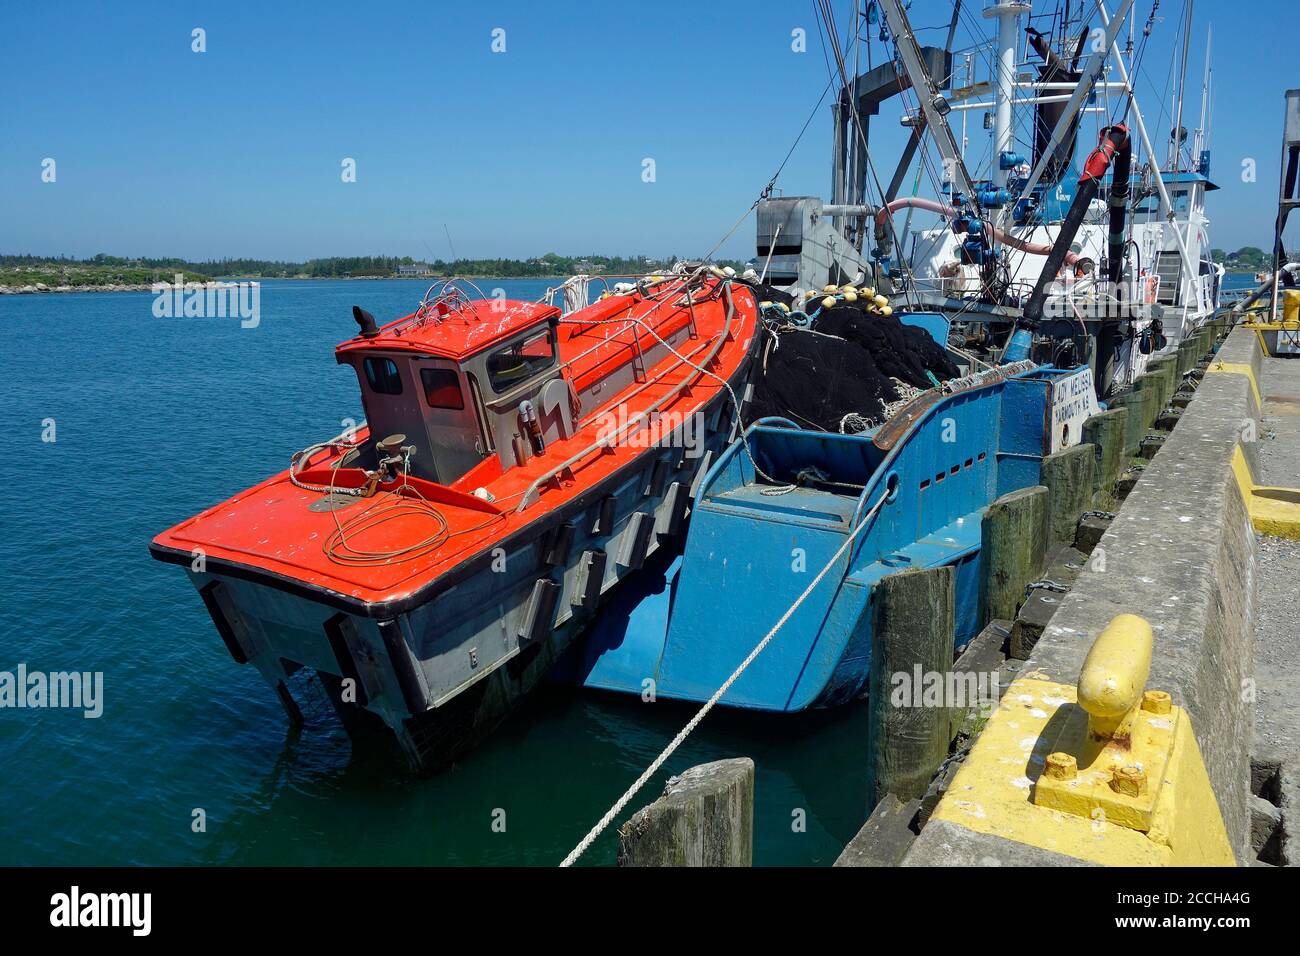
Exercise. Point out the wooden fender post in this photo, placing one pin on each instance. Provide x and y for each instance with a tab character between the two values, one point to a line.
908	725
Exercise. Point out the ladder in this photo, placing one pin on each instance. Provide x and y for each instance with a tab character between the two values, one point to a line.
1169	267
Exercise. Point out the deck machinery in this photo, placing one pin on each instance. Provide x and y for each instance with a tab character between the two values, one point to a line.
1132	273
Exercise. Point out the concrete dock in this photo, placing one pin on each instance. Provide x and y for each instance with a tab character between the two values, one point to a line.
1222	603
1152	716
1276	744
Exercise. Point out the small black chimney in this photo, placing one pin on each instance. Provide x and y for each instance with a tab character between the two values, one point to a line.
367	322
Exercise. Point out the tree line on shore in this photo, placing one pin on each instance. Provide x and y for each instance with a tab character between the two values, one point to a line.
102	268
1248	258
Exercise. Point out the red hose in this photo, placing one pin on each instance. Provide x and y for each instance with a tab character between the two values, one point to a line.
932	205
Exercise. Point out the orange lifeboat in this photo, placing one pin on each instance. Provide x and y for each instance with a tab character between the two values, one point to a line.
515	466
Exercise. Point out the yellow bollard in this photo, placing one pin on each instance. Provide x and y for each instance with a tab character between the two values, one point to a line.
1105	770
1113	677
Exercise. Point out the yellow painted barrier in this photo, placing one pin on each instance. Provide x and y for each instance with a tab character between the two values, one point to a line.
1240	368
1273	510
1106	771
1289	322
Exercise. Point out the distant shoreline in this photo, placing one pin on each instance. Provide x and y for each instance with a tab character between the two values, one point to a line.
41	288
44	289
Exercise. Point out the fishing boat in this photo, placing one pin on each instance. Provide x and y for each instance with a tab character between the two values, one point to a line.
1051	280
1053	84
786	501
517	463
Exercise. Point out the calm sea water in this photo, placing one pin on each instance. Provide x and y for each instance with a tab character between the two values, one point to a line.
1239	280
159	418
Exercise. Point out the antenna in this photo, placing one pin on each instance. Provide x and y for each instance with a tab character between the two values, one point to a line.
429	249
449	242
1202	134
1176	139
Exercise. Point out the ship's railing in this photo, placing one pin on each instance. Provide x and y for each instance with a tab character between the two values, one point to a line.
531	493
651	381
604	278
631	320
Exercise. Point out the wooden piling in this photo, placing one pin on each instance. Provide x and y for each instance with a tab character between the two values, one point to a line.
1105	432
1013	551
911	647
1131	404
885	837
1149	388
1166	369
1067	475
1204	339
704	818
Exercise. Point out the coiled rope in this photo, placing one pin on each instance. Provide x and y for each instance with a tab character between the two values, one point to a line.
403	502
694	722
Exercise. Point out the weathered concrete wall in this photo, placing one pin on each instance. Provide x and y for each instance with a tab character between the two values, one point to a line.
1181	553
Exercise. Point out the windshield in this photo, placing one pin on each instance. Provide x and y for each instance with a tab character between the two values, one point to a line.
520	360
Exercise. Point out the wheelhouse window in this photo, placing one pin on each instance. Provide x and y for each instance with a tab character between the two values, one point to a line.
383	376
442	388
520	360
1149	205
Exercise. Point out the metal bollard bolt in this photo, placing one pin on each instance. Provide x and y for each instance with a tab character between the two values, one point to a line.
1129	781
1156	702
1061	766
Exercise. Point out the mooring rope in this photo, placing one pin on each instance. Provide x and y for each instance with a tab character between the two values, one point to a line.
694	722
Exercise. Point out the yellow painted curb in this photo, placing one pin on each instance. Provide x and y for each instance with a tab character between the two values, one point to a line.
1239	368
1273	510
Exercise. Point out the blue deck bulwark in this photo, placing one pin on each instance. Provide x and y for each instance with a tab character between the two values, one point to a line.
755	544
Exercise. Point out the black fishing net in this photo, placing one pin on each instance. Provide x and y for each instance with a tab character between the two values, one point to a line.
770	293
846	364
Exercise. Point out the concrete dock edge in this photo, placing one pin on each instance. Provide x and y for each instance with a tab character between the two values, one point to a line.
1181	553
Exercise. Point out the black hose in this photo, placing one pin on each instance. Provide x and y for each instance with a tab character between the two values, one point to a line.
1114	144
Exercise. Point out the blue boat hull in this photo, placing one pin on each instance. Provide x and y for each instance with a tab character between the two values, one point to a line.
752	549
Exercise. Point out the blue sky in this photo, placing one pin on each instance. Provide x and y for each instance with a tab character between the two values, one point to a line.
237	151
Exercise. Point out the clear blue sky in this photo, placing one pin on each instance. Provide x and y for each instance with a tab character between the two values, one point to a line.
237	151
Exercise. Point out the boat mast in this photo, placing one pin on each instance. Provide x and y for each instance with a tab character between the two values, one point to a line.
1131	91
1007	15
1201	142
1175	140
933	104
1091	73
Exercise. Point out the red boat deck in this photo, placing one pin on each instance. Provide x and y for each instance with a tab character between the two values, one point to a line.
411	531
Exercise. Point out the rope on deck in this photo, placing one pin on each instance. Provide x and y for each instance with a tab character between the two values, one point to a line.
694	722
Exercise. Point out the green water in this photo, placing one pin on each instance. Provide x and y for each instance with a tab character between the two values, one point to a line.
158	418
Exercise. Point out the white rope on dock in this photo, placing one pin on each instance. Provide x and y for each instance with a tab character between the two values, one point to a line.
677	741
